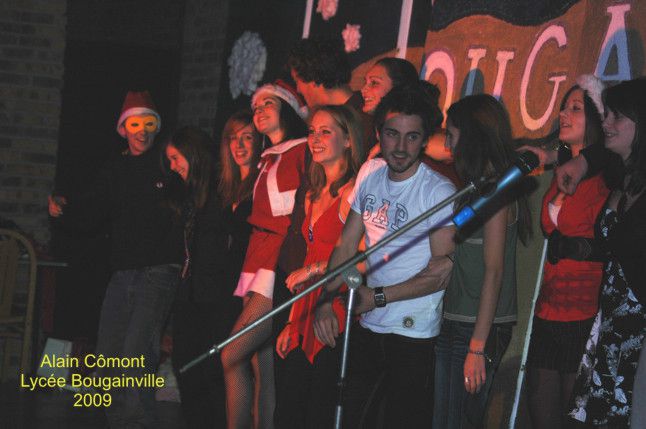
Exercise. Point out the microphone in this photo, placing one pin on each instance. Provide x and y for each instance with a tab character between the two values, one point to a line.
526	162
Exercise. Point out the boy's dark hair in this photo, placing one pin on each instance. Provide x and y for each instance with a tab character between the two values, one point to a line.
411	99
323	62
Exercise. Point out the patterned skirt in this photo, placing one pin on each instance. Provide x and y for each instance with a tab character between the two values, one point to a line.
603	389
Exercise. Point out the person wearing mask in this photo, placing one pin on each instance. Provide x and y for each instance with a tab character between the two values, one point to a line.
146	253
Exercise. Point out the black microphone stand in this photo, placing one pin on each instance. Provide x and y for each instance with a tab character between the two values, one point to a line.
353	280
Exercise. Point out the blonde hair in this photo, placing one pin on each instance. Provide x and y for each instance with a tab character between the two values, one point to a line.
348	120
231	187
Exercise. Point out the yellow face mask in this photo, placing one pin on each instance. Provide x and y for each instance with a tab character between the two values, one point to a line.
147	123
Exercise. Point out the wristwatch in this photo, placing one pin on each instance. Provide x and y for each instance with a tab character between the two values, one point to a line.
380	297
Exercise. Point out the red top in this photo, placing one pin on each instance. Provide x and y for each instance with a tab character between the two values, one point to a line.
571	288
281	169
320	243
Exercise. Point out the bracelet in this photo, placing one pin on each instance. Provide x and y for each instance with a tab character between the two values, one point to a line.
480	353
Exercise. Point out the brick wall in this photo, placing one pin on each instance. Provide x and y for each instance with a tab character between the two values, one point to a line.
32	43
205	26
156	23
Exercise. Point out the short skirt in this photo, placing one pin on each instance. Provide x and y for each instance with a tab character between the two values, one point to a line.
258	271
558	345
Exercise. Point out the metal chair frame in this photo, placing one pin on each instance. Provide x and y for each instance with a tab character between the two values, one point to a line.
12	325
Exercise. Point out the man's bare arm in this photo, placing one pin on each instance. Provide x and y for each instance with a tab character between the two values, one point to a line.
431	278
345	248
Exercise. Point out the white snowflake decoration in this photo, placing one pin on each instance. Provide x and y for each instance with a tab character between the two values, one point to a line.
351	37
246	64
327	8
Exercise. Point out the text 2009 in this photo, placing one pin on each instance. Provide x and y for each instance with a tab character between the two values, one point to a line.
92	399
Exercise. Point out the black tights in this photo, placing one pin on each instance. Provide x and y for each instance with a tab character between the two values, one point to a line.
549	393
248	364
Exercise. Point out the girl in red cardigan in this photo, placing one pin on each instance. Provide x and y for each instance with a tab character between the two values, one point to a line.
568	299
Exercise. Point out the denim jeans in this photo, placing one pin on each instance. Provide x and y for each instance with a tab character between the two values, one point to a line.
135	308
452	402
390	380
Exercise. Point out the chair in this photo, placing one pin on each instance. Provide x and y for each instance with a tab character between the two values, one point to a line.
13	246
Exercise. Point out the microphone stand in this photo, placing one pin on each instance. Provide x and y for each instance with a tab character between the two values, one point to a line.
353	280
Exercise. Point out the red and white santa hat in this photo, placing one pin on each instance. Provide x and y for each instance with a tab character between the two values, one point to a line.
285	92
594	87
137	104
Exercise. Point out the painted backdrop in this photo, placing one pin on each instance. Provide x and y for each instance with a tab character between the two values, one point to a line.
525	52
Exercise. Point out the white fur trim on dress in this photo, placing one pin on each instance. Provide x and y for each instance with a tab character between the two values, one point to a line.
262	282
281	203
283	147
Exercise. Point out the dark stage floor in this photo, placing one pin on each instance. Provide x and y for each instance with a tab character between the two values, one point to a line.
53	409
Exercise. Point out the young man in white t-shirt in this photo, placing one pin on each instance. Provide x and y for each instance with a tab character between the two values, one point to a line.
392	355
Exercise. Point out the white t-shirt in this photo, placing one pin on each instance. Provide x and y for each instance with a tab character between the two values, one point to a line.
385	206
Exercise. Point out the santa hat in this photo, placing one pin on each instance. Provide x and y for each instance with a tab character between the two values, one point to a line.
594	87
285	92
137	104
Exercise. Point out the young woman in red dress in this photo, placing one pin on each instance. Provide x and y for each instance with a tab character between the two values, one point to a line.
248	361
306	383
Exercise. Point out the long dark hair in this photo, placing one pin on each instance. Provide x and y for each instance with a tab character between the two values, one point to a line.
194	145
399	71
231	187
627	98
593	129
348	120
293	126
484	147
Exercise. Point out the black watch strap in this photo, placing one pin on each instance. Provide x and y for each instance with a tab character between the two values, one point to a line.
380	298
